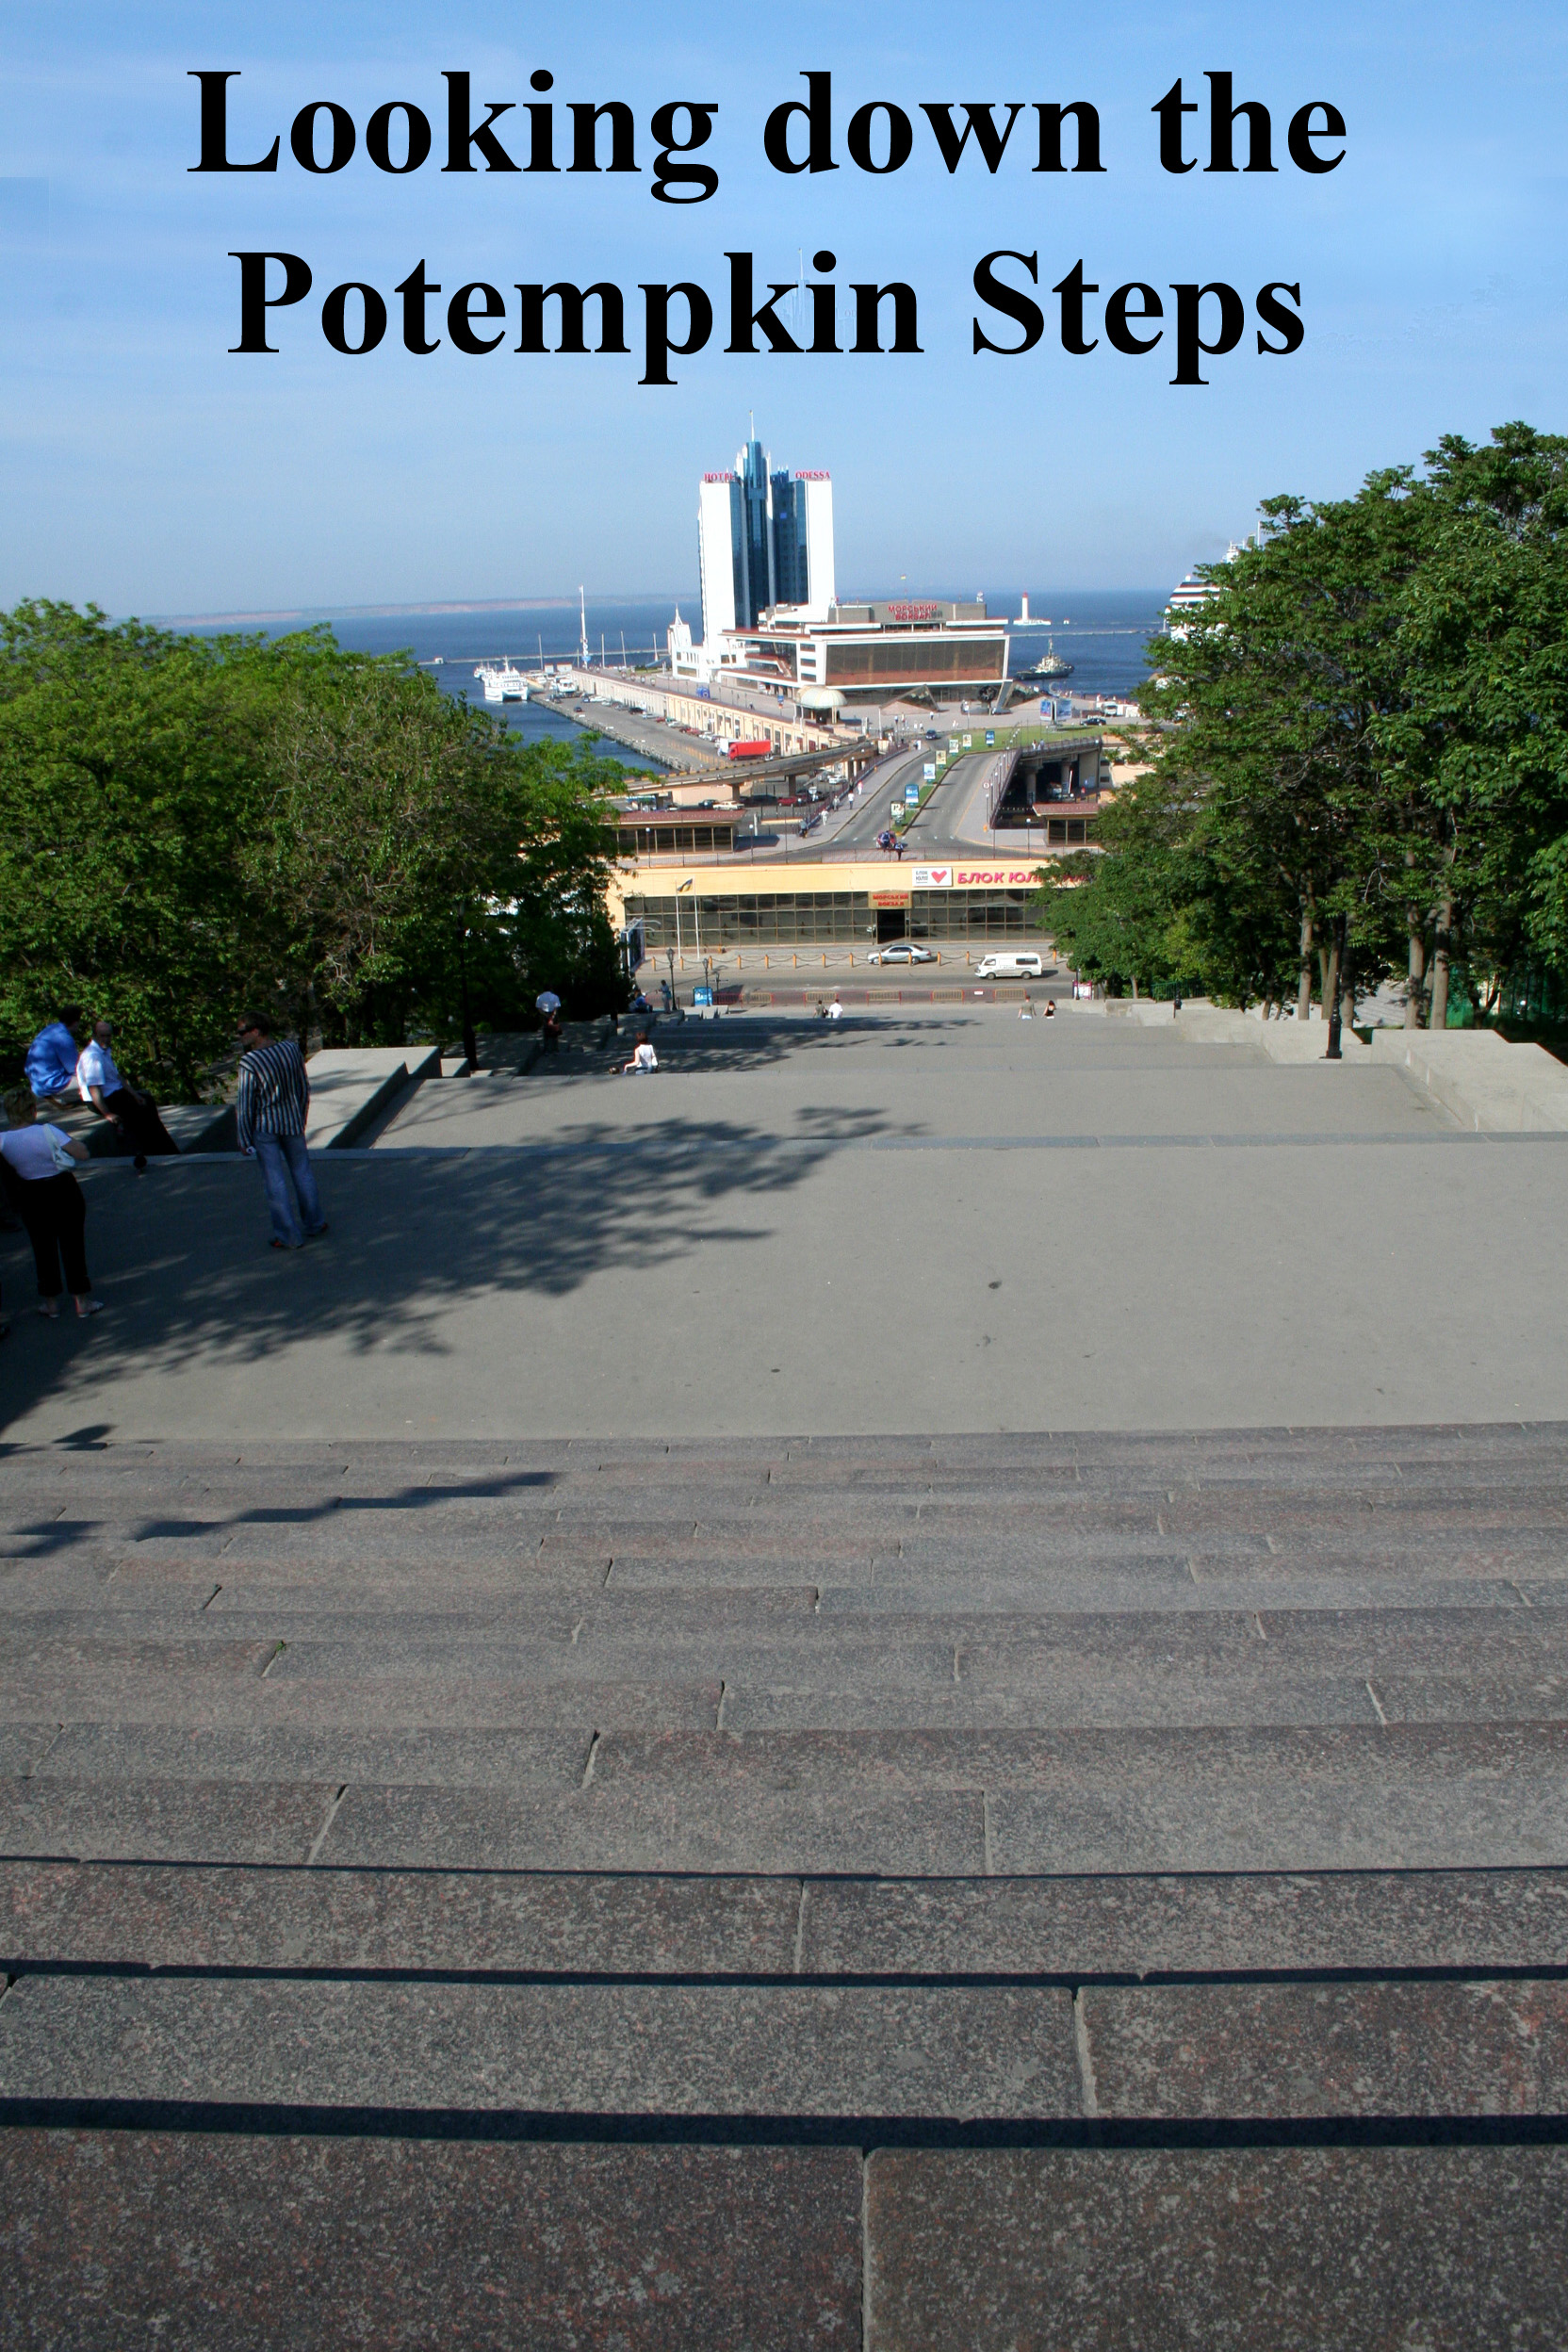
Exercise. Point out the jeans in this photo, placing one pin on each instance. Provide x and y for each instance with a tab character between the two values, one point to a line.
282	1157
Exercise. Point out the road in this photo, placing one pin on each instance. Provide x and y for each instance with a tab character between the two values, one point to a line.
850	833
948	826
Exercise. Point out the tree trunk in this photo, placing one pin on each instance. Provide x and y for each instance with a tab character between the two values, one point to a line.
1135	987
1304	997
1441	952
1332	959
471	1043
1416	923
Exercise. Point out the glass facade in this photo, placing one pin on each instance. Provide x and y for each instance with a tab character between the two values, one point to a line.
671	838
897	660
791	584
753	512
747	919
967	915
825	918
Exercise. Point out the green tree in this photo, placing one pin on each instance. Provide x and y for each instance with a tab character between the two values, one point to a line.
1116	913
1273	698
122	775
1478	755
187	823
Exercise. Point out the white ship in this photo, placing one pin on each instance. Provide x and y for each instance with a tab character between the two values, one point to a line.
503	681
1188	600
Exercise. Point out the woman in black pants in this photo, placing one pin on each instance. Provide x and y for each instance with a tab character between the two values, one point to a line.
49	1202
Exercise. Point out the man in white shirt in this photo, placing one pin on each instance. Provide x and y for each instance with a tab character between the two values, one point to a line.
835	1011
135	1114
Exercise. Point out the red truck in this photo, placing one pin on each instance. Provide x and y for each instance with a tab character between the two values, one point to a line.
747	751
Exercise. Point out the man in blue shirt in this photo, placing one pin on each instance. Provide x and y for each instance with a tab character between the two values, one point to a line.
51	1064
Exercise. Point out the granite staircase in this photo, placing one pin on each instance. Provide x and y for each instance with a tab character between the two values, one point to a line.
1025	1891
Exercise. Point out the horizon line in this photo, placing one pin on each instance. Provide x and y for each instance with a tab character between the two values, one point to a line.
520	604
391	611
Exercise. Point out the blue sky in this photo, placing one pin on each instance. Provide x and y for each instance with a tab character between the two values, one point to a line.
146	467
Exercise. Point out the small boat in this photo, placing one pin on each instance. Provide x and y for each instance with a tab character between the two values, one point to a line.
1049	665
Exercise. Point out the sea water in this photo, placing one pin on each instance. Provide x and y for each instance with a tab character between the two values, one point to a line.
1104	633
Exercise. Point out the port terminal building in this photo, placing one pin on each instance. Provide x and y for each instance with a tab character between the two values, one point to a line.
703	908
928	650
809	685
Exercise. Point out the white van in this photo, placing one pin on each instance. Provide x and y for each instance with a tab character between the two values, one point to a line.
1015	963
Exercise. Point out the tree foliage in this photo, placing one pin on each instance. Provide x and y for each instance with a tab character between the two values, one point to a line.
187	823
1359	748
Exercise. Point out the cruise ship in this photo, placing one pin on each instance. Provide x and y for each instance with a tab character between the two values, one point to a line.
1190	597
503	681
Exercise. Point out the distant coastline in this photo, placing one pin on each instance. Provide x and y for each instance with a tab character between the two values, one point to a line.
313	613
310	613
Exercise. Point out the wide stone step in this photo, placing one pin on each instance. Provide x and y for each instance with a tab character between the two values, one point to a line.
1251	2250
1074	1930
626	2049
662	2249
109	2236
982	1891
930	1802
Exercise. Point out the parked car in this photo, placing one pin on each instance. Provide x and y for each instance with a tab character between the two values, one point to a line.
900	951
1013	964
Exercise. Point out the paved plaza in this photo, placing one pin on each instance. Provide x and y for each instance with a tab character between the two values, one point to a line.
904	1688
922	1219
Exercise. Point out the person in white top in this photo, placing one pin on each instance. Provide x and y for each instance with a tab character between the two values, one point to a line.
835	1011
644	1061
49	1202
135	1114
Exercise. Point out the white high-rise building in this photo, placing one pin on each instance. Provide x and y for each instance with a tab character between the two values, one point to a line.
813	506
717	536
765	543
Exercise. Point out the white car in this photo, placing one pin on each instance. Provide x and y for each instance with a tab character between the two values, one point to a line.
900	951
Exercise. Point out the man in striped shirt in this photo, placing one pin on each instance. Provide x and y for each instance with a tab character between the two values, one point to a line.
274	1098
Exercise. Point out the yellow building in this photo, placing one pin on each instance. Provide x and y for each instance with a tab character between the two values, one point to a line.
704	908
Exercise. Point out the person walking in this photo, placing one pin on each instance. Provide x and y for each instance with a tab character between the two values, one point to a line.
275	1099
135	1114
53	1056
51	1204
